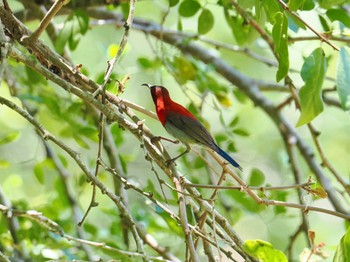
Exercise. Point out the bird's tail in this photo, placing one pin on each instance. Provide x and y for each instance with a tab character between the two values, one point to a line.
228	158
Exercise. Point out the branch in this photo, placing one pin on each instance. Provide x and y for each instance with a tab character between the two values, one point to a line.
57	229
322	37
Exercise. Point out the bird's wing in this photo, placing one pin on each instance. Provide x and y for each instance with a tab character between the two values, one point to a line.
193	129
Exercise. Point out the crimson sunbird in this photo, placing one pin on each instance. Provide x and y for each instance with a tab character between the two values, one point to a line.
182	124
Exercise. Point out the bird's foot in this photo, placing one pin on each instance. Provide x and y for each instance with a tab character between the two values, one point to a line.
155	139
170	161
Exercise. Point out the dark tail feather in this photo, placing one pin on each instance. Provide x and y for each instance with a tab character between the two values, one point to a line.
228	158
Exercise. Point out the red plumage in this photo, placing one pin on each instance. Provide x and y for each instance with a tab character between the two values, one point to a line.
182	124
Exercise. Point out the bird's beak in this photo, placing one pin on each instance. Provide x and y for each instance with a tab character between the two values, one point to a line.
148	85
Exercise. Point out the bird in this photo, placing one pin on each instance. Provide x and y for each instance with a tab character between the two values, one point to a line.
183	125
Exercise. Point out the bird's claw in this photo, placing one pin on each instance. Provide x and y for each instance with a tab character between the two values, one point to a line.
155	139
169	162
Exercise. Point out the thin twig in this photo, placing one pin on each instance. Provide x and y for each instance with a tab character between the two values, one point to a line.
322	37
56	7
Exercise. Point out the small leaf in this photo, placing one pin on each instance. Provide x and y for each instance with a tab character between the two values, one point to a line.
272	8
40	168
240	132
184	69
280	37
189	8
256	178
264	251
173	2
313	73
339	15
294	5
324	23
343	78
327	4
83	20
179	24
234	121
80	141
205	22
223	98
343	250
4	164
39	173
9	138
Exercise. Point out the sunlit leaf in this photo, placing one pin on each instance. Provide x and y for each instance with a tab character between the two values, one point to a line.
240	132
326	4
294	5
339	15
9	138
280	37
313	73
343	249
223	99
40	168
343	78
4	163
271	9
264	251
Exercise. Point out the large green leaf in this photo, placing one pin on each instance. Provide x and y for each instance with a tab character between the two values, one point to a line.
343	250
343	78
280	37
313	73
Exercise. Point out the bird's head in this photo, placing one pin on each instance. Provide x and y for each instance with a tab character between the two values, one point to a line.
158	92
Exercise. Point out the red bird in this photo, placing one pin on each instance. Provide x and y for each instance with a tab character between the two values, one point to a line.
182	124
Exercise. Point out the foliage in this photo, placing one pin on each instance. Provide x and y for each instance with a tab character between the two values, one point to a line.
268	78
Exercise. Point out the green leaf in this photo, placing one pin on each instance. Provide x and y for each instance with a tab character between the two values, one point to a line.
83	21
324	24
343	78
240	132
184	69
223	98
80	141
189	8
9	138
294	5
236	24
256	178
264	251
326	4
4	163
272	8
280	37
313	73
343	249
205	22
339	15
173	2
40	168
179	24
